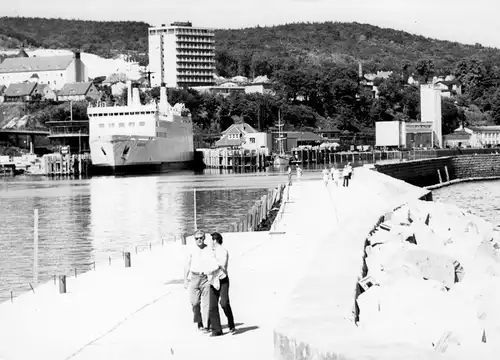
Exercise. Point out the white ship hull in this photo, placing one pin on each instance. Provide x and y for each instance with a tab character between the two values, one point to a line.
140	138
133	153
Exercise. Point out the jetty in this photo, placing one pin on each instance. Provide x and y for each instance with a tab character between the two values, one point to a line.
235	159
293	291
65	164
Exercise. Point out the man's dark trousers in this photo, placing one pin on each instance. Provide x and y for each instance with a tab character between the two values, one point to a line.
223	295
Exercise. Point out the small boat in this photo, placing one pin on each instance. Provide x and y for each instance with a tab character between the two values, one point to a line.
281	158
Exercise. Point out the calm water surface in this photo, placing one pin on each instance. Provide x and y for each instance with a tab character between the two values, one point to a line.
90	220
481	198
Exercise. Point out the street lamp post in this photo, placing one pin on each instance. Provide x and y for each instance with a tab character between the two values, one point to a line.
79	152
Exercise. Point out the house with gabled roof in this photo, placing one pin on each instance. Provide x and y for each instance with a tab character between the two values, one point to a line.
78	91
46	92
51	70
20	92
243	136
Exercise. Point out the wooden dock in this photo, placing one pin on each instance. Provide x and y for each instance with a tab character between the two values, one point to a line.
7	169
328	156
66	165
237	160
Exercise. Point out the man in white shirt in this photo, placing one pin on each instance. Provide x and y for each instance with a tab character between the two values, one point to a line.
199	265
220	289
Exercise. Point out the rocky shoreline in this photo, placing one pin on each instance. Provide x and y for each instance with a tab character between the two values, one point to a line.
432	279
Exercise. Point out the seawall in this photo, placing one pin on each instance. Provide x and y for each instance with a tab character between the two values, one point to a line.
444	171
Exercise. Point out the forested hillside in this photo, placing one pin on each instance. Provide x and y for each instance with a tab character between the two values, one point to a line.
95	37
314	67
241	50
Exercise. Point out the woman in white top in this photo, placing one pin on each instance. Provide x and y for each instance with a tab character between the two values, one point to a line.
326	175
335	176
299	172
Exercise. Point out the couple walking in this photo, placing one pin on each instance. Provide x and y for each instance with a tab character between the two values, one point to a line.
335	175
206	265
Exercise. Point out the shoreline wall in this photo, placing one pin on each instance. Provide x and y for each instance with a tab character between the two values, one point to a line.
445	170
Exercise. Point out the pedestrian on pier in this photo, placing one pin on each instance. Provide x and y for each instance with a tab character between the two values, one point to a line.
326	176
299	172
219	289
336	176
345	174
350	169
289	176
196	271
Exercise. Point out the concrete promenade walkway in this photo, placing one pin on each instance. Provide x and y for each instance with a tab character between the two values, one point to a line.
144	311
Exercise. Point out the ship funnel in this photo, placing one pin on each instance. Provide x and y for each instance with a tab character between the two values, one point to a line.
129	93
163	100
136	98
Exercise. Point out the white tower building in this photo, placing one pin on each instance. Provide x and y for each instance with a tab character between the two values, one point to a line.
430	111
181	55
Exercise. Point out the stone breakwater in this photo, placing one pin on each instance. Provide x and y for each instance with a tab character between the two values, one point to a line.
433	281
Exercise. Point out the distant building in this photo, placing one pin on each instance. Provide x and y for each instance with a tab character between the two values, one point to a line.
243	136
20	92
224	89
430	111
482	136
458	138
239	84
448	87
115	78
260	88
294	139
117	88
181	55
368	80
72	133
331	135
51	70
78	91
46	92
400	134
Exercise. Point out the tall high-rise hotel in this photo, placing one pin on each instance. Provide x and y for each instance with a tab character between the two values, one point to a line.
181	55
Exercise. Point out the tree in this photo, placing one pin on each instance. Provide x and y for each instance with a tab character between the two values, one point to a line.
471	73
406	68
495	107
449	115
425	68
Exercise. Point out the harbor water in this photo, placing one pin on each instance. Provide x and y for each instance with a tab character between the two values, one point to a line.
82	222
481	198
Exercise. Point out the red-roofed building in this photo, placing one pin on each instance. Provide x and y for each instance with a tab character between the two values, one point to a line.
51	70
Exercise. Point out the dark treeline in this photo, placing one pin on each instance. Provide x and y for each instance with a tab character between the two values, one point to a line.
314	67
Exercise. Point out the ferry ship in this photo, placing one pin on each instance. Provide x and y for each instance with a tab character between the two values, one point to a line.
149	138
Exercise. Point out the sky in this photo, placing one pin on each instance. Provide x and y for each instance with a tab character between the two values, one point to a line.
466	21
